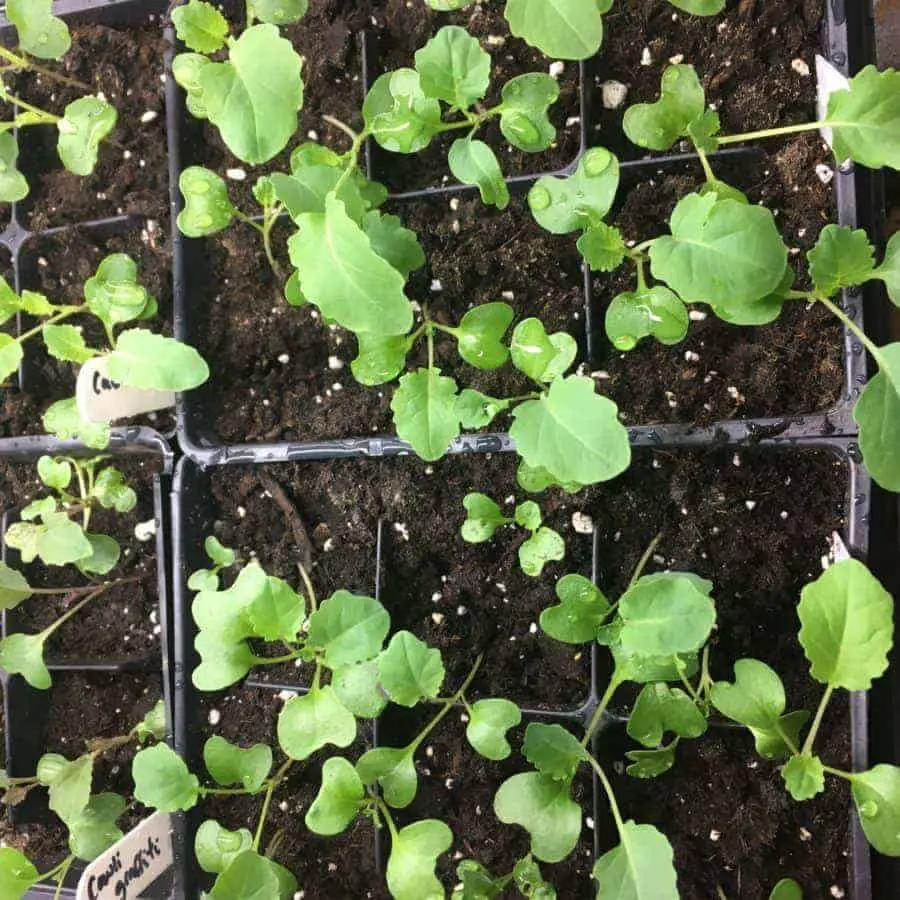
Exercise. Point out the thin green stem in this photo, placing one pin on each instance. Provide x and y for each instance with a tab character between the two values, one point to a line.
273	783
640	248
429	334
411	340
774	132
640	262
613	806
68	311
275	660
695	695
839	773
707	169
384	811
448	705
44	118
271	219
870	345
817	721
642	562
341	126
72	611
60	871
785	737
223	792
808	296
447	329
243	217
20	62
611	688
534	395
317	675
313	603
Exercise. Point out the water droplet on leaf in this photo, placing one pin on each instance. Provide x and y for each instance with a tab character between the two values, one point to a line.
539	198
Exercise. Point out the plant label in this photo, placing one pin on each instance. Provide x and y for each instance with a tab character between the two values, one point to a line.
131	864
100	399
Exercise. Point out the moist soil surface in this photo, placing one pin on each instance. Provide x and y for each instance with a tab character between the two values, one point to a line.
756	524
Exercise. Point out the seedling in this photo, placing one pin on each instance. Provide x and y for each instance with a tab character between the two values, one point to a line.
89	818
84	122
477	883
48	532
846	631
135	357
484	517
253	96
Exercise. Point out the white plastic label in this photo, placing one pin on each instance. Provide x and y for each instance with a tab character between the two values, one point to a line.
100	399
828	80
130	865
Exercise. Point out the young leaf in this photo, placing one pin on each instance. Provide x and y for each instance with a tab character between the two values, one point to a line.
358	689
477	410
278	12
14	587
804	777
454	68
602	247
221	556
203	580
553	751
410	670
489	720
560	29
572	432
339	800
642	867
530	882
719	252
563	205
786	889
162	780
475	882
700	7
581	611
277	612
310	184
94	829
146	360
651	763
253	97
69	782
252	876
524	119
846	626
40	32
23	654
229	764
58	541
762	311
308	723
414	852
348	629
877	413
393	242
10	355
17	872
424	407
888	271
113	293
655	311
398	113
104	556
65	342
216	847
186	69
473	162
659	709
394	770
153	725
223	613
540	356
528	515
84	124
876	794
54	473
342	274
543	807
201	26
13	186
841	258
544	546
207	209
480	335
381	357
483	518
63	419
111	491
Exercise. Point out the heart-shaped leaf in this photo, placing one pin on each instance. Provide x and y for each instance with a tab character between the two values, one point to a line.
480	335
23	654
581	611
545	545
654	311
525	103
553	751
489	720
394	771
339	800
113	293
84	124
483	518
207	209
399	114
229	764
308	723
216	847
540	356
414	852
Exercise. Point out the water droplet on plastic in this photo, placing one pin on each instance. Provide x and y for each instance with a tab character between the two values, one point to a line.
539	198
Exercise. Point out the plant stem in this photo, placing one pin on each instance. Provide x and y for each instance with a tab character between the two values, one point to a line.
429	335
449	703
639	261
611	688
69	311
72	611
309	587
839	773
870	345
223	792
342	126
640	248
273	783
817	721
20	62
534	395
44	118
642	562
613	806
695	696
275	660
774	132
382	808
271	218
58	868
707	169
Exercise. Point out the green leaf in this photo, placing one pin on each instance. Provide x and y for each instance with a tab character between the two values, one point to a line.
414	853
10	302
308	723
489	720
398	113
563	205
660	709
381	358
113	293
665	614
540	356
104	557
473	162
846	626
483	518
544	546
339	800
10	356
876	794
477	410
153	725
201	26
84	124
877	413
480	335
841	258
759	312
866	119
40	32
94	829
349	629
560	29
651	763
278	12
804	777
146	360
58	542
37	304
13	186
572	432
162	780
203	580
786	889
69	782
602	247
720	251
277	612
308	187
207	209
654	312
553	751
112	492
581	611
253	877
17	873
528	515
393	242
23	654
221	556
186	69
216	847
543	807
524	119
63	419
223	613
453	67
424	407
888	271
343	275
530	882
229	764
394	770
14	587
475	882
449	5
358	689
221	664
38	509
642	867
55	473
680	112
410	670
253	98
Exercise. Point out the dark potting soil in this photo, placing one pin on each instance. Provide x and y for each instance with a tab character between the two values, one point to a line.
126	64
123	623
58	266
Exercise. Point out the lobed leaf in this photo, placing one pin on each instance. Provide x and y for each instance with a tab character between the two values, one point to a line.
483	518
581	611
424	407
454	68
93	831
660	709
111	491
69	783
66	342
602	247
277	612
348	629
545	545
804	776
399	114
410	670
186	69
308	723
200	26
153	725
651	763
477	410
842	257
63	420
394	242
394	771
553	751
